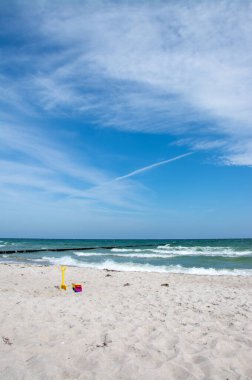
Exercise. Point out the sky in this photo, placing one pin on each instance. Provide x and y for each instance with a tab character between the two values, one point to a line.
126	119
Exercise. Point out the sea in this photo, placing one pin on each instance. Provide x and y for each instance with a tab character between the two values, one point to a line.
198	257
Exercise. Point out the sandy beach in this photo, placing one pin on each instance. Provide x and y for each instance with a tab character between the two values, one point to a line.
124	325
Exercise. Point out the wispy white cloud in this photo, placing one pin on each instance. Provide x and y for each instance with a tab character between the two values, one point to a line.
157	68
239	153
149	167
46	168
33	143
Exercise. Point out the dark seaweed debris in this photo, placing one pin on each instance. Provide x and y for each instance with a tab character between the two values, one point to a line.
6	340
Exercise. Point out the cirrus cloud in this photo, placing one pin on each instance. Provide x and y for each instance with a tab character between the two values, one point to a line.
165	67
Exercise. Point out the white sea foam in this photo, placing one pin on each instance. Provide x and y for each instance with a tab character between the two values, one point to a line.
146	255
64	260
126	255
90	254
126	250
163	246
134	267
166	253
186	251
213	251
211	271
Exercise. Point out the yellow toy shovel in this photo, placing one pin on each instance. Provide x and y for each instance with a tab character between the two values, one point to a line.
63	285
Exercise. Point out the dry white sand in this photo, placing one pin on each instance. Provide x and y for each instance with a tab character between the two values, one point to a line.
198	327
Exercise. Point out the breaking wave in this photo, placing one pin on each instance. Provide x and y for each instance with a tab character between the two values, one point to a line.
136	267
123	254
169	251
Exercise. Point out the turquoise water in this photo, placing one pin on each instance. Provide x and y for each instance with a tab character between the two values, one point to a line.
212	257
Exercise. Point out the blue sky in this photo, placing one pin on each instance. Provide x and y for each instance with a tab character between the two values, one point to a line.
94	94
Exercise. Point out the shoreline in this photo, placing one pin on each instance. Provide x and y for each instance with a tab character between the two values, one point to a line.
124	325
203	272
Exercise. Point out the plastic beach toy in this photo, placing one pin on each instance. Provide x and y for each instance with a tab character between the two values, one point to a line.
77	288
63	285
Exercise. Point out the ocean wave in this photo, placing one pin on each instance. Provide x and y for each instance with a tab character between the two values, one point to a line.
134	267
4	243
185	251
90	254
63	260
137	255
126	250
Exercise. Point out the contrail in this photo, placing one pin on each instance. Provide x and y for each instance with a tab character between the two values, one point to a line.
149	167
